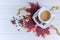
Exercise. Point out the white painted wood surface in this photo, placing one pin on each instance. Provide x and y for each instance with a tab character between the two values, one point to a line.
8	8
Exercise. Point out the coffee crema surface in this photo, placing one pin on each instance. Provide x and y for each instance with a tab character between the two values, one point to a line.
45	15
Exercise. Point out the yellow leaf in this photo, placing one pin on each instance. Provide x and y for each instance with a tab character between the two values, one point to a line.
19	10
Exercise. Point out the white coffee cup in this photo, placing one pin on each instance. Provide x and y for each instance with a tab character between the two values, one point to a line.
40	12
52	17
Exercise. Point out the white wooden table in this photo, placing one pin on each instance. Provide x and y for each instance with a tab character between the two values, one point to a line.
8	8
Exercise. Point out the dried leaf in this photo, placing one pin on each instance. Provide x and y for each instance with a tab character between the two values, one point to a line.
19	10
53	8
57	31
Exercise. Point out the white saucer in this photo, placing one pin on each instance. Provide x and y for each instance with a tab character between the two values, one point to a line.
48	22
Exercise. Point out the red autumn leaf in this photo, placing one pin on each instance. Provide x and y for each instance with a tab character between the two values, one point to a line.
30	24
